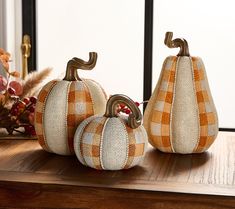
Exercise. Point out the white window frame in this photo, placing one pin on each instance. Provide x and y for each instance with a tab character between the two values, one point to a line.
11	31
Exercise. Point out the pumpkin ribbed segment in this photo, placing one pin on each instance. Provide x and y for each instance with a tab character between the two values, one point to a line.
207	112
136	146
80	107
90	142
114	145
158	121
39	113
78	139
184	113
55	115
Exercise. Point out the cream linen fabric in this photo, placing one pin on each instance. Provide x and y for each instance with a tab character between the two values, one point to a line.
55	118
114	145
184	114
97	95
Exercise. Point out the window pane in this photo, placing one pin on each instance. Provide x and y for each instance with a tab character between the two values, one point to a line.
209	29
114	29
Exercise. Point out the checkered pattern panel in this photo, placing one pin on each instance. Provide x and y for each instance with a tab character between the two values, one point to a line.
80	107
136	146
39	111
160	119
90	142
105	94
207	118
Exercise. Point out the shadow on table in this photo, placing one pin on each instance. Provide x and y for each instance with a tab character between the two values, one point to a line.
68	167
177	164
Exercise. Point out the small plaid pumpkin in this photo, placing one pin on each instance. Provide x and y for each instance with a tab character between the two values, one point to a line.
181	116
112	142
63	105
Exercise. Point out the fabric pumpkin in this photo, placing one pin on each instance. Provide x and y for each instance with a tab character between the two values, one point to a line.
63	104
181	116
112	142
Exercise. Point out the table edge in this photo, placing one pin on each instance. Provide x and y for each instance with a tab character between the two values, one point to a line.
143	185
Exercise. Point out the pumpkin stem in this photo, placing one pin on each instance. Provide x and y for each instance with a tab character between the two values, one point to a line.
76	63
178	42
134	119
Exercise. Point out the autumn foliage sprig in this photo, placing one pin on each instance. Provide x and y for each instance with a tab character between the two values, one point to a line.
16	114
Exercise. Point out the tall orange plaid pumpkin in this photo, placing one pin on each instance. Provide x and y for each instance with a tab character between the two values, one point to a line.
181	116
63	104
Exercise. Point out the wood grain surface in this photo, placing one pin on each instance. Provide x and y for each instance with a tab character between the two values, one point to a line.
33	178
16	136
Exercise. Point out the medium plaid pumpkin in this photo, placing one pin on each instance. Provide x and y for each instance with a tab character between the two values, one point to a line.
181	116
109	142
63	105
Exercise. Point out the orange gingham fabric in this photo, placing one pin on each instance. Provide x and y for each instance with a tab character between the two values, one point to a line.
39	111
136	146
207	118
91	141
80	107
160	120
105	94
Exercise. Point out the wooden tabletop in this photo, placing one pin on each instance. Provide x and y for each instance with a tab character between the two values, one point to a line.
31	177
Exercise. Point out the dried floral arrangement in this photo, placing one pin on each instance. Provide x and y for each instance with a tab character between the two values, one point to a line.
18	97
